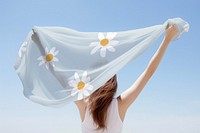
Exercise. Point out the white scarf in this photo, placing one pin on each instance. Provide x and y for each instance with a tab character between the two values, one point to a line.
58	65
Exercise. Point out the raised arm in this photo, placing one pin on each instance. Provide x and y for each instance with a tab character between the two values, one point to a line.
129	96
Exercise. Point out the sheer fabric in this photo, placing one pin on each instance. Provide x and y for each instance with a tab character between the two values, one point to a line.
58	65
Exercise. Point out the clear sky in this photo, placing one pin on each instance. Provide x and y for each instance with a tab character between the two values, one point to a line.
169	102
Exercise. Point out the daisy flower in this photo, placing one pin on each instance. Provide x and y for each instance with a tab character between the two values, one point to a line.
80	85
22	49
49	57
104	43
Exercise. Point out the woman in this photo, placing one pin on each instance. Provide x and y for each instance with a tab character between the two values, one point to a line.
101	112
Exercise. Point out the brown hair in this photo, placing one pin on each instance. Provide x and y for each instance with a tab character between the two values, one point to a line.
100	101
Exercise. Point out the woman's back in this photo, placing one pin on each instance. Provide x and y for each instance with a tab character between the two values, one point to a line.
113	122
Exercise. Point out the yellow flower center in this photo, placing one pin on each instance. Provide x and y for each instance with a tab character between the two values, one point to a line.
104	42
81	85
49	57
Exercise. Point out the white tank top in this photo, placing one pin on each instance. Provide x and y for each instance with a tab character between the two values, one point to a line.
113	122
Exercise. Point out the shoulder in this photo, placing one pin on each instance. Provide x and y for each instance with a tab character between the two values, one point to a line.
81	104
121	109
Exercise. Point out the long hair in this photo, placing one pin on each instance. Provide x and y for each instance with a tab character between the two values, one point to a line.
100	101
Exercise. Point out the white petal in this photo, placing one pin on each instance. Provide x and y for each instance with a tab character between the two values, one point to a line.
101	36
55	59
76	76
40	58
87	80
103	52
56	52
94	44
95	49
74	91
41	62
111	35
52	50
86	93
80	95
84	76
72	83
46	50
111	48
114	43
89	87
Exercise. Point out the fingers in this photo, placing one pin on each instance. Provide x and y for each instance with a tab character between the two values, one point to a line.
173	26
170	26
171	32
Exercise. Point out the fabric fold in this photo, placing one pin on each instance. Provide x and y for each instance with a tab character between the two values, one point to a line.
58	65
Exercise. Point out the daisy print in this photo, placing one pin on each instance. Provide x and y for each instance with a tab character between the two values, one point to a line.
80	86
104	43
49	58
22	49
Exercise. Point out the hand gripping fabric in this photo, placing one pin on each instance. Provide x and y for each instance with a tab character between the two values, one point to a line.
59	65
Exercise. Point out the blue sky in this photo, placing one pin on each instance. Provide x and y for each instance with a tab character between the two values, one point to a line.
169	102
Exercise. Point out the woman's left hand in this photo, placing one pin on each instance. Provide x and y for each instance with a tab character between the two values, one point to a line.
171	32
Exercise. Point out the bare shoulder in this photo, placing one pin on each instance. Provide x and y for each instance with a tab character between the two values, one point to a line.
121	109
81	104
